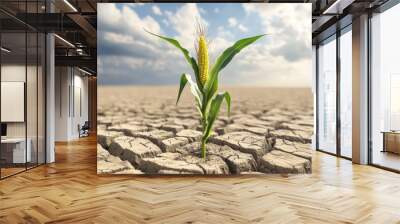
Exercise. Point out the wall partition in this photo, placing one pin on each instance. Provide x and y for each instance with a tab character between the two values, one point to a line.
13	89
72	101
22	77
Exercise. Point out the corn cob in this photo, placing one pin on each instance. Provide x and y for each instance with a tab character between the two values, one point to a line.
203	59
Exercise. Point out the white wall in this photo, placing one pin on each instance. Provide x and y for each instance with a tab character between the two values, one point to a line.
70	83
14	73
33	126
11	72
62	81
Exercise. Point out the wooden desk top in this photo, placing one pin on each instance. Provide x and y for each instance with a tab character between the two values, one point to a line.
391	132
13	140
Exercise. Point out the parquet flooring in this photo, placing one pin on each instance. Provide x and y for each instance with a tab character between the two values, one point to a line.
69	191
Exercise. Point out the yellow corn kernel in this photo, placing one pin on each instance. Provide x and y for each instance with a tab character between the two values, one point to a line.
203	59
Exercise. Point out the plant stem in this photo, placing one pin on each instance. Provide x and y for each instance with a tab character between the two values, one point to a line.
204	138
203	148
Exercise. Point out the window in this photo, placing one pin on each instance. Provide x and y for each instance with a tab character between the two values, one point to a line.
346	92
327	95
395	102
385	89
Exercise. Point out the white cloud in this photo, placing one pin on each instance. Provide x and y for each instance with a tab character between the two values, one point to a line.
127	53
168	13
117	37
288	26
288	45
202	11
136	4
216	10
109	14
217	46
224	33
165	22
156	10
242	28
184	23
280	59
126	21
232	21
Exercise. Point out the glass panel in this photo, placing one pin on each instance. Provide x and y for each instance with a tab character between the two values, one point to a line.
13	87
31	90
394	102
385	94
31	98
346	94
41	99
23	90
327	96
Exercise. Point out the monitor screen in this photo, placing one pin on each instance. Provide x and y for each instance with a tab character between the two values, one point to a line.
3	129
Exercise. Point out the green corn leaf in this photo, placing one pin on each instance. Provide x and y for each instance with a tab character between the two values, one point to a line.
207	97
214	110
194	89
192	62
224	59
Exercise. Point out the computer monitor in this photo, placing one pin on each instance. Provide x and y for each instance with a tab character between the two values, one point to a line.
3	129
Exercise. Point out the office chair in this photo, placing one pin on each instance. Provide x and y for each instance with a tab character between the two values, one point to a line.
84	130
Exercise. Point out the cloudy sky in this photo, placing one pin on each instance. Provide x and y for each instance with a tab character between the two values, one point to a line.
129	55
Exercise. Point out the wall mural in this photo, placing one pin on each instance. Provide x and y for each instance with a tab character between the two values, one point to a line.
204	89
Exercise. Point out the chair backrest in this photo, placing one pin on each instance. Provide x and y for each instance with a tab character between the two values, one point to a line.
86	125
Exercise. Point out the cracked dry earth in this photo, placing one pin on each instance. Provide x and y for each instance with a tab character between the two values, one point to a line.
142	131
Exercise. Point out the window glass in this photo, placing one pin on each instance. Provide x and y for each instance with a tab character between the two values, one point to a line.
14	153
346	93
385	88
327	96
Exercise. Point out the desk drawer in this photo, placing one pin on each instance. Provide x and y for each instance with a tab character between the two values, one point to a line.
6	154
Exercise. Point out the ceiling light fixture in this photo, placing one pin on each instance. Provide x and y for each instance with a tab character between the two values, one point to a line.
70	5
64	40
5	50
84	71
79	51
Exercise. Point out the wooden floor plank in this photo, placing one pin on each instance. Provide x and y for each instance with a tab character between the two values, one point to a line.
70	191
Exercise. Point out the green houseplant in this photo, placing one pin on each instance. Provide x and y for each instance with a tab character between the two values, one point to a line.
204	90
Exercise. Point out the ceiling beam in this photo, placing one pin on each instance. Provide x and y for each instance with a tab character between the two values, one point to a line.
86	27
79	61
337	7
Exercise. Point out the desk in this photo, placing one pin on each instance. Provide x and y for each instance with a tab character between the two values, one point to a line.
391	141
13	150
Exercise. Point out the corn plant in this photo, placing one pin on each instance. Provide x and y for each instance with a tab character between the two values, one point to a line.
204	90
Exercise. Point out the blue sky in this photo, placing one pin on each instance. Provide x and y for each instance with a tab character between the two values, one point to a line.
128	55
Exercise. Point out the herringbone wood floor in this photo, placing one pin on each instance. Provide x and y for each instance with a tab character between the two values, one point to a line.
69	191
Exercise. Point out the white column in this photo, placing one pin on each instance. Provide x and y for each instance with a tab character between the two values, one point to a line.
50	92
360	90
50	100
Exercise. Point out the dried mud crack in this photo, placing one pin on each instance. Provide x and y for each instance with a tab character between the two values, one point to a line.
142	131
